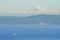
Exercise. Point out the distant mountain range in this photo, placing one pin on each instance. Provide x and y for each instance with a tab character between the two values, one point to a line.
35	19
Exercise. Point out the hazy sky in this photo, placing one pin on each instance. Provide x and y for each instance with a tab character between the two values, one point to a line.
17	5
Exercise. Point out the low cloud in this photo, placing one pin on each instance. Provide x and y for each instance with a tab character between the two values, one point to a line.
38	10
42	9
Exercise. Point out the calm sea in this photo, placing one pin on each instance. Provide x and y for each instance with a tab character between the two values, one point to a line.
29	32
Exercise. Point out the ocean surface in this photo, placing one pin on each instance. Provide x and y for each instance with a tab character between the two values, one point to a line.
29	32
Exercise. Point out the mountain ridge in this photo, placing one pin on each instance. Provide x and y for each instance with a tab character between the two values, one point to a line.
35	19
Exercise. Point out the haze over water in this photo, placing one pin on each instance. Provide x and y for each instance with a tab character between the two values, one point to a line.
29	19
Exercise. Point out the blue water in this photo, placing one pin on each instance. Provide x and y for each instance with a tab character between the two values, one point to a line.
29	32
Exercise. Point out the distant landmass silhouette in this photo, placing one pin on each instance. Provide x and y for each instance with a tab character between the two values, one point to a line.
35	19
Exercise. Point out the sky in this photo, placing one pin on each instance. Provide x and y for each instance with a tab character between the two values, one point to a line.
29	7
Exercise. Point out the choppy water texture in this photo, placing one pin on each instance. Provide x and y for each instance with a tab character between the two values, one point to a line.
29	32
